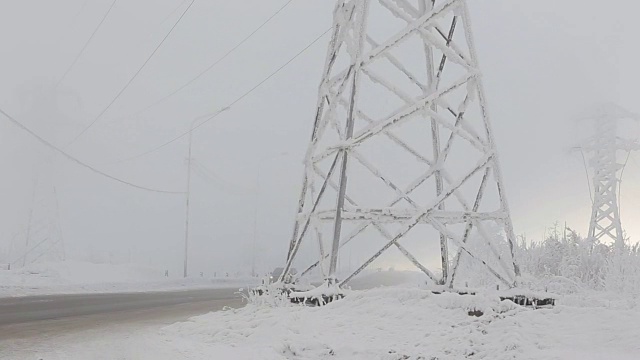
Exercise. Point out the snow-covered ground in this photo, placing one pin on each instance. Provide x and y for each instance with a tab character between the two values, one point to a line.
410	323
403	322
79	277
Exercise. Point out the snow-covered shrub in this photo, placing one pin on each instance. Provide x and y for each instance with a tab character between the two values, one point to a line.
622	271
580	262
273	295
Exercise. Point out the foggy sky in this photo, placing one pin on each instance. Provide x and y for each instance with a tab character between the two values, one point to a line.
543	63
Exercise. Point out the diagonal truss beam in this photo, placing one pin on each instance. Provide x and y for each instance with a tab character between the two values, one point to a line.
433	23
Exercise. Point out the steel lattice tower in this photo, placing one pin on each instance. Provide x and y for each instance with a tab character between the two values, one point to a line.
604	147
402	141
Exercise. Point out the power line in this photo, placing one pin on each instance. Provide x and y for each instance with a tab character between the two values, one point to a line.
209	115
84	4
215	63
210	175
86	44
229	106
586	171
133	77
174	11
79	162
624	166
74	19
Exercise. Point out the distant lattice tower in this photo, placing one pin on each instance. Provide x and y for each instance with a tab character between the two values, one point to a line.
43	240
603	148
402	153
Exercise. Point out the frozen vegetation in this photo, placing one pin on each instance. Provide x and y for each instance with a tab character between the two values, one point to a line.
579	263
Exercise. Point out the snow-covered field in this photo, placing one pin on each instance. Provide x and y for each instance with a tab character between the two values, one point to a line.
408	323
401	322
78	277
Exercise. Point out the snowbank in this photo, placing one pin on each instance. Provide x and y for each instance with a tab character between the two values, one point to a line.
403	323
79	277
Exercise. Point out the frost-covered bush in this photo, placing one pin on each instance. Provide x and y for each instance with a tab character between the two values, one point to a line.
586	262
270	295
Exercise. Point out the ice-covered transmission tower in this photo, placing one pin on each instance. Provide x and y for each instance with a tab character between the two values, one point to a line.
402	154
603	148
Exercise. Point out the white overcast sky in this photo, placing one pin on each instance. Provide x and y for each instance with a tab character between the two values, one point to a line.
543	63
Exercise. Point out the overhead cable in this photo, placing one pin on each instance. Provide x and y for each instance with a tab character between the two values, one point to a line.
86	44
217	61
230	105
174	11
586	171
77	161
133	77
624	166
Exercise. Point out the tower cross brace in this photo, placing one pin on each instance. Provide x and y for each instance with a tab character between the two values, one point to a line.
402	148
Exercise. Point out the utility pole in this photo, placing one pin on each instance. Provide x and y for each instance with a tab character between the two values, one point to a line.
59	224
29	220
255	222
188	200
188	192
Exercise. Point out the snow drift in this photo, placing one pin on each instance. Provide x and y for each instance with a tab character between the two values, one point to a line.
404	323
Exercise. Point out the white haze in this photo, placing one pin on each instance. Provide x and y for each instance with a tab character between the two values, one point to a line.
543	63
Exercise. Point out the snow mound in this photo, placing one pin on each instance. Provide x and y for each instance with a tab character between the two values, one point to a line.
78	277
69	273
402	323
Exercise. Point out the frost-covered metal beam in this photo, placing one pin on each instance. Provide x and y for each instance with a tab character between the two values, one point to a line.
391	215
366	60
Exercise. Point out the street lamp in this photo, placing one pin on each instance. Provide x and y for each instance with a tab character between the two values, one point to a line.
255	208
188	192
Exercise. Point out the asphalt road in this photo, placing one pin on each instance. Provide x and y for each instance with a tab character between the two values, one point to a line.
39	316
112	326
34	308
